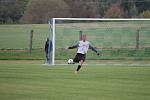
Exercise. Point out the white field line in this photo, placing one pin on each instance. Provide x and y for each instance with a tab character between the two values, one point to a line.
116	64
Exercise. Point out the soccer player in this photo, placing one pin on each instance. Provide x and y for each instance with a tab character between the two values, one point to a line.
82	48
48	50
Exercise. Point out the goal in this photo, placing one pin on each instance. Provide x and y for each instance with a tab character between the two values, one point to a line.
115	38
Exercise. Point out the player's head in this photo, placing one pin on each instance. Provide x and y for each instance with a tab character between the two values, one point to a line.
84	37
47	39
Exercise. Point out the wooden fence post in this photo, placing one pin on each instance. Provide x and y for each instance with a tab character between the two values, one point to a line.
80	35
30	41
137	38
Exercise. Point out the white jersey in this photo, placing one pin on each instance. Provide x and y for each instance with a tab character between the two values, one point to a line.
83	47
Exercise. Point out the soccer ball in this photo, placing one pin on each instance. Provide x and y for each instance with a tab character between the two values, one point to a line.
70	61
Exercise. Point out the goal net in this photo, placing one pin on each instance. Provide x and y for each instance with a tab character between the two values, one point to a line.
113	38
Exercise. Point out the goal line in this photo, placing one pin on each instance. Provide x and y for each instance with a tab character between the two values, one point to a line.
117	64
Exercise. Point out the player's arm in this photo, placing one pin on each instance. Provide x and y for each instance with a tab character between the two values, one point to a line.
94	49
74	46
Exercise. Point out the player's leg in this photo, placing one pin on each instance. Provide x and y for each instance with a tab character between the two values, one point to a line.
76	59
80	65
82	59
46	57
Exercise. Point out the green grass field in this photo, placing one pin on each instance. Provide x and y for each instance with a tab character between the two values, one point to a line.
112	54
23	77
100	34
117	40
17	36
29	80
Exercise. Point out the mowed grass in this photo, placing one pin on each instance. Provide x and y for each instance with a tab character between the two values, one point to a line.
29	80
104	34
115	40
17	36
100	34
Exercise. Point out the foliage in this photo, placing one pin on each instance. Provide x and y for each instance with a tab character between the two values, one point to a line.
145	14
40	11
11	10
82	8
115	11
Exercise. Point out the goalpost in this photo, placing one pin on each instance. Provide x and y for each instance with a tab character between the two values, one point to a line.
102	26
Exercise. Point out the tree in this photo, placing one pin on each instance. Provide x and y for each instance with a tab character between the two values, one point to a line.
133	12
11	10
103	6
142	5
39	11
134	7
145	14
115	11
83	8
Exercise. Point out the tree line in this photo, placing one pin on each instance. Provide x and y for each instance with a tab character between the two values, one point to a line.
39	11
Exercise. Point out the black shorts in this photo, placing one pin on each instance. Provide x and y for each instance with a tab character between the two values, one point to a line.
79	57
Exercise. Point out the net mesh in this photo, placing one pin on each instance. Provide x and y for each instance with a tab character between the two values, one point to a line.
112	37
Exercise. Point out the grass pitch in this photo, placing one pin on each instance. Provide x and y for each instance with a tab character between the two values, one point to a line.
29	80
100	34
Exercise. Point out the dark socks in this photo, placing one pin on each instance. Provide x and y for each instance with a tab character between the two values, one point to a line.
79	66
